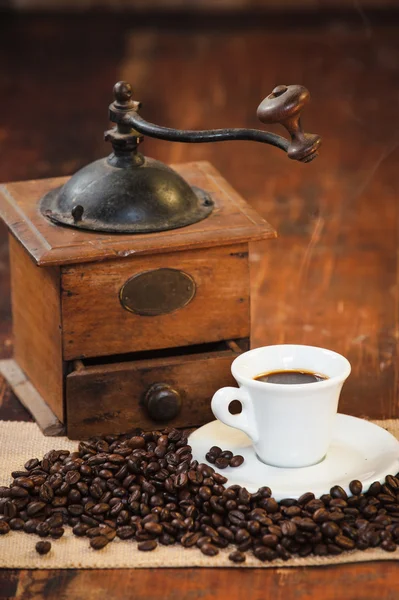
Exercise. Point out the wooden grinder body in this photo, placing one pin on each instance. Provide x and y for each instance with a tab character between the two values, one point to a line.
101	367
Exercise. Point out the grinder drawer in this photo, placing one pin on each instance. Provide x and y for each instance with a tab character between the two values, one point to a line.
151	390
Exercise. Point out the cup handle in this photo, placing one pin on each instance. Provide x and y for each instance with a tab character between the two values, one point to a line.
245	420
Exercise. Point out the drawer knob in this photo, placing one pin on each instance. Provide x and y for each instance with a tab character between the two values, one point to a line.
162	402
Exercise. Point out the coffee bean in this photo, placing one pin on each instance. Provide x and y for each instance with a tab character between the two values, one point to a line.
35	508
80	529
244	497
43	529
338	492
356	487
314	505
246	545
305	550
236	461
226	454
237	557
75	509
370	510
31	464
236	517
55	520
18	492
57	532
153	528
305	498
374	489
206	470
321	515
330	529
5	492
307	524
270	505
4	527
221	463
320	550
24	482
205	492
282	552
242	535
215	450
337	516
125	532
210	531
218	478
181	480
253	527
195	477
10	509
100	509
136	442
72	477
338	503
386	498
147	546
291	511
264	554
325	498
344	542
99	542
43	547
334	549
190	539
226	533
372	537
204	539
31	525
288	528
270	540
388	546
209	549
393	482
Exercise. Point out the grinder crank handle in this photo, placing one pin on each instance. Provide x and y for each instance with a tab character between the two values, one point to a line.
283	106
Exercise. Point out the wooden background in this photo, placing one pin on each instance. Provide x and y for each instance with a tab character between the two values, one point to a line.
332	277
225	6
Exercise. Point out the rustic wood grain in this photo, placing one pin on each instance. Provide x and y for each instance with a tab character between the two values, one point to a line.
108	398
193	6
366	581
231	221
36	309
30	398
332	274
96	324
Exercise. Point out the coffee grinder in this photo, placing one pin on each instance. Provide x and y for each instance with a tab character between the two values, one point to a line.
130	280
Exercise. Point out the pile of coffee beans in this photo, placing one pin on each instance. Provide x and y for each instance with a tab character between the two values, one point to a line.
147	487
223	458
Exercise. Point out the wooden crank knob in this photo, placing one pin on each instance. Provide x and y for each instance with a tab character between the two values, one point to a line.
284	105
162	402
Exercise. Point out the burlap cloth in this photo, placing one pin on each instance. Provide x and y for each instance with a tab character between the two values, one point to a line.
21	441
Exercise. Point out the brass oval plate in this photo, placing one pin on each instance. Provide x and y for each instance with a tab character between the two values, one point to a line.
157	292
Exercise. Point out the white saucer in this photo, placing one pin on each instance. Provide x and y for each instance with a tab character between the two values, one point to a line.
359	450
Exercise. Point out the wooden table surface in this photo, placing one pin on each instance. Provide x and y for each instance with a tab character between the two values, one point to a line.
332	277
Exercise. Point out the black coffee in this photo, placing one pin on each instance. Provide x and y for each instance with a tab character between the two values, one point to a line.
290	377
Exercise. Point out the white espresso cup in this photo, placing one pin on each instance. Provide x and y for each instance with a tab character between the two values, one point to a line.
290	425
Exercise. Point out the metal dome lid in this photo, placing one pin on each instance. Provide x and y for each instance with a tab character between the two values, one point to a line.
136	199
